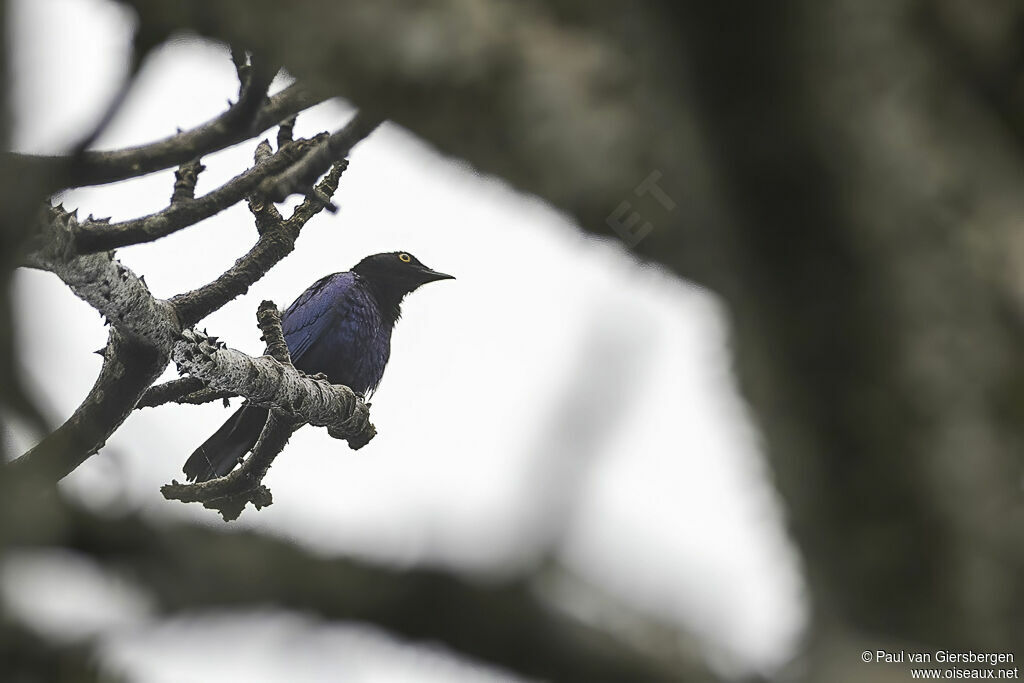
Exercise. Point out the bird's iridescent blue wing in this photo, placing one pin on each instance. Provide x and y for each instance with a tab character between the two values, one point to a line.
335	328
312	313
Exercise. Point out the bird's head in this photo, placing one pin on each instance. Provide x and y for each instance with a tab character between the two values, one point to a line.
396	273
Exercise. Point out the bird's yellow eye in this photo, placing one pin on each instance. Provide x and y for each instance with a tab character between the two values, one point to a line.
404	258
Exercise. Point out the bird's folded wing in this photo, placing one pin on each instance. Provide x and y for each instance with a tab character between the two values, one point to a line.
309	317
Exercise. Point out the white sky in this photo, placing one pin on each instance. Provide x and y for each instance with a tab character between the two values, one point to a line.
555	383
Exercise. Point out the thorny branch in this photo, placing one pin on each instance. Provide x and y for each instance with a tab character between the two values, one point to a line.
270	384
230	493
277	240
147	332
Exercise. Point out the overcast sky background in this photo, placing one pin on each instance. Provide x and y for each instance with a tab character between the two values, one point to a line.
557	391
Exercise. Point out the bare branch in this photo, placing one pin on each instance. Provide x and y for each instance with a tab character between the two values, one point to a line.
97	168
299	178
180	391
314	204
93	237
170	392
129	366
285	132
277	240
185	181
255	77
292	169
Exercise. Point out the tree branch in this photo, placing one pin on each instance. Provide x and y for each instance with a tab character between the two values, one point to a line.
170	392
507	624
300	176
95	236
97	168
291	169
277	240
266	382
230	493
185	179
268	318
129	366
100	280
146	332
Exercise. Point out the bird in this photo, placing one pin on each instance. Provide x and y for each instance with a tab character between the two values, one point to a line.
339	327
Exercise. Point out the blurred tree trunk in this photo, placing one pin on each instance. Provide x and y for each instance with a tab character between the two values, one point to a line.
878	317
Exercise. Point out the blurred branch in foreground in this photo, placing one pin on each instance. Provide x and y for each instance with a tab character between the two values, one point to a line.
187	567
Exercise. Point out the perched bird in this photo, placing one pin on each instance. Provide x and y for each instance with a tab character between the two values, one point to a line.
341	327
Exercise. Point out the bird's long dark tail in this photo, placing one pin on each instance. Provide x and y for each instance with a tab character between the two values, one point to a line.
221	452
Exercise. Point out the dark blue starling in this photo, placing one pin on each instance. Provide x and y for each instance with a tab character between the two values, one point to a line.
341	327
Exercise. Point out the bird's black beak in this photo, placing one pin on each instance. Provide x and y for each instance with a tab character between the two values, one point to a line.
428	275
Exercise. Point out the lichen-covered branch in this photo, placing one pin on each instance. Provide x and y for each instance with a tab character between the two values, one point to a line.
268	318
99	279
266	382
147	331
229	494
170	392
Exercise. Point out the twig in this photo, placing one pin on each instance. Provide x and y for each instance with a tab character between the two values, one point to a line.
300	176
285	131
254	80
229	494
169	392
268	318
277	240
91	237
185	181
